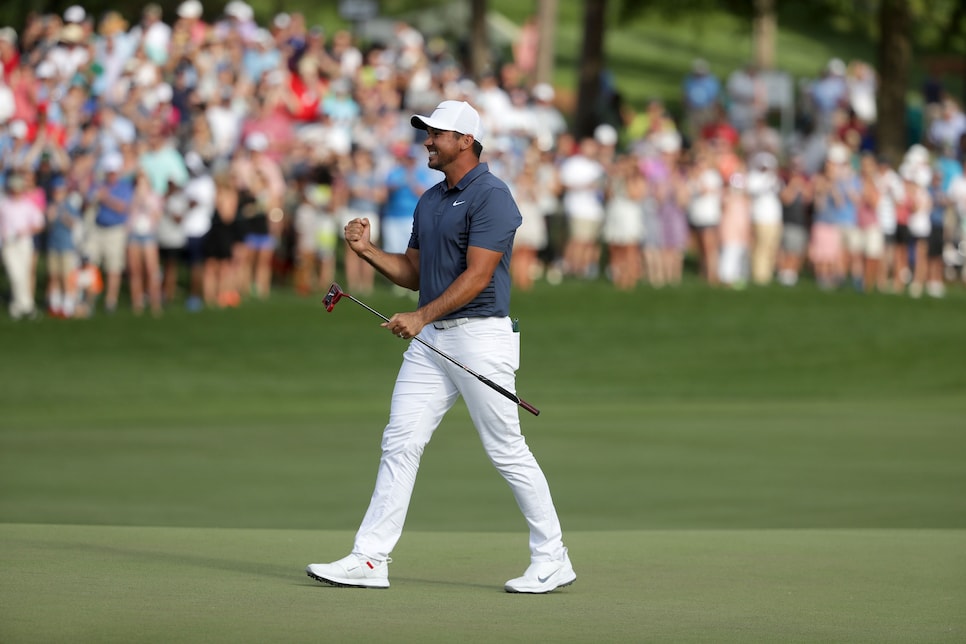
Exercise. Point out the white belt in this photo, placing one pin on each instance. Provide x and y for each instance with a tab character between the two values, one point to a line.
441	325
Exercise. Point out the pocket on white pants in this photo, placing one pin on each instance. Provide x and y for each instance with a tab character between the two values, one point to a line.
495	342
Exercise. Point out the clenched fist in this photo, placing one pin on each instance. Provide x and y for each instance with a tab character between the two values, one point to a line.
357	234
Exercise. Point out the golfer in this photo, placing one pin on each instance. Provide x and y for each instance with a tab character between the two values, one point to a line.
458	259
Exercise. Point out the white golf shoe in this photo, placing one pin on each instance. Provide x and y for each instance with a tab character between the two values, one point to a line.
352	571
544	577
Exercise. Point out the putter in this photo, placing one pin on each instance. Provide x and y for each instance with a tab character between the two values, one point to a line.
336	293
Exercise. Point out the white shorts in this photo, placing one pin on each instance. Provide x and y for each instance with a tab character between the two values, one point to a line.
873	242
852	239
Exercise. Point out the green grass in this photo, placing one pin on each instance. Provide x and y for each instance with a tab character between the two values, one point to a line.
111	584
729	466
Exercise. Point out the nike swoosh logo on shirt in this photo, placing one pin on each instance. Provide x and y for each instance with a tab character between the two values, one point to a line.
457	203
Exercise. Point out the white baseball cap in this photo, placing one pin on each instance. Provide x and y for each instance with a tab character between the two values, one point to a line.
18	129
9	34
453	116
190	9
239	10
163	93
605	134
838	153
75	13
112	162
544	92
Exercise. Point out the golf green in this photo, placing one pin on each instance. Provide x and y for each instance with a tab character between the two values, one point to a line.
766	465
122	584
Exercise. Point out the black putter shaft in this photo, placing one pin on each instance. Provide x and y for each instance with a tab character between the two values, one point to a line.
486	381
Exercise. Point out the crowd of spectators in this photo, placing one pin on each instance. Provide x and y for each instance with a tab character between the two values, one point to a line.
204	162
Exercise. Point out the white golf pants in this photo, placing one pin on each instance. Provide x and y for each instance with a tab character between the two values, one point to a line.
426	388
18	257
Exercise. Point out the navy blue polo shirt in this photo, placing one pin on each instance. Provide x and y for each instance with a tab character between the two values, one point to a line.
479	211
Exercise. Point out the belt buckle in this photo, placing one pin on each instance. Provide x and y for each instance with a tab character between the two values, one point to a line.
442	325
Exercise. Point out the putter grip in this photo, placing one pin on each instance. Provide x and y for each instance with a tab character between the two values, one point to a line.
530	408
509	394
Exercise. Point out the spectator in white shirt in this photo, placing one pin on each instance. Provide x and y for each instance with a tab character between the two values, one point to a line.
949	127
763	186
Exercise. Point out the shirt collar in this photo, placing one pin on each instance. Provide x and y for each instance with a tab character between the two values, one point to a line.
471	176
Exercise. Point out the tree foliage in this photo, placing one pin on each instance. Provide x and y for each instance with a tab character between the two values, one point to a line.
937	26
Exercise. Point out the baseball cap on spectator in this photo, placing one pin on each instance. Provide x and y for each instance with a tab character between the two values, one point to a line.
453	116
668	141
239	10
190	9
72	33
8	34
605	134
146	75
282	21
838	153
16	183
163	93
338	141
112	162
264	38
18	129
112	23
916	154
75	14
836	66
543	92
256	141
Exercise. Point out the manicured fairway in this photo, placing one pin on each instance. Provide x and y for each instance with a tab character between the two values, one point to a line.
770	465
110	584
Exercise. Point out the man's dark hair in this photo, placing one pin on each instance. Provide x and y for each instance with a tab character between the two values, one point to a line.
477	146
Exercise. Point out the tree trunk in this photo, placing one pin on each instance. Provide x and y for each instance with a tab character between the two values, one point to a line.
764	25
894	61
591	66
479	46
547	26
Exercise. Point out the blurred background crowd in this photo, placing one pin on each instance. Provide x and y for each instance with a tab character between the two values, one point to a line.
179	161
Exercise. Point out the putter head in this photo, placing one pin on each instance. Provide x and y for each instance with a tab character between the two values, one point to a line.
332	297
